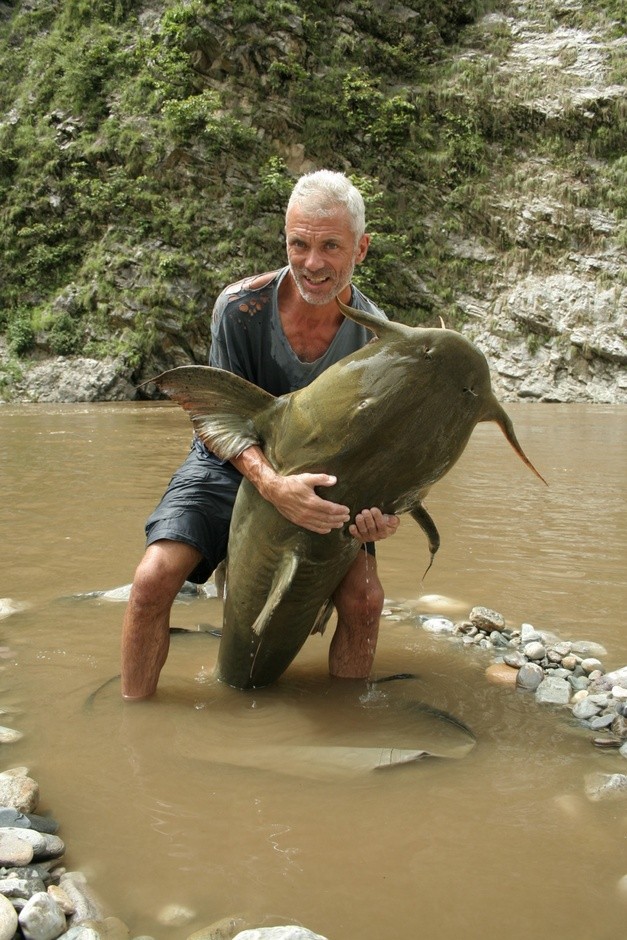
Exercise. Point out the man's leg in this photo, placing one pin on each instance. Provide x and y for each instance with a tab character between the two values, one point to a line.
146	631
359	602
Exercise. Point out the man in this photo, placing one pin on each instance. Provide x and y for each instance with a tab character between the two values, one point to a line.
279	331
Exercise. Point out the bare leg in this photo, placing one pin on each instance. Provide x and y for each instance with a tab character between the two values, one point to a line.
146	631
359	602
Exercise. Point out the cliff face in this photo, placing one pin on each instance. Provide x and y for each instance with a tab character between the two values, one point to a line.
147	150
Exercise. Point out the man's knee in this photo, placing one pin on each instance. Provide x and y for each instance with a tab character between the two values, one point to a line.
360	595
162	572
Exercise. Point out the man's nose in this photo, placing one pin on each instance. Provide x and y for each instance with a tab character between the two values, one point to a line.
314	260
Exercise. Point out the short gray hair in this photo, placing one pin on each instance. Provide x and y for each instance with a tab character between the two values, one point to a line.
325	190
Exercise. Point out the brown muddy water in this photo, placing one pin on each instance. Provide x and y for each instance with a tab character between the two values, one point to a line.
203	798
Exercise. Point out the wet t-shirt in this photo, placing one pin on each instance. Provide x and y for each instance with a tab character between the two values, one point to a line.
247	337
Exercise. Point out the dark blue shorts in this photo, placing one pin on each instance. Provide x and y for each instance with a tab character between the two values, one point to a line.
197	507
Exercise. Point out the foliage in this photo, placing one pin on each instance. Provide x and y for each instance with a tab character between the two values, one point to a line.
146	162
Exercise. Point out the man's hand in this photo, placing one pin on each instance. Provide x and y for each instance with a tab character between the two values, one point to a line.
295	498
371	525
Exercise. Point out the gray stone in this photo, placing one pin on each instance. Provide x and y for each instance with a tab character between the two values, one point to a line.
530	676
438	625
291	932
515	659
18	790
13	849
81	932
497	639
87	906
563	648
43	844
623	750
578	683
21	887
14	819
224	929
41	918
8	919
587	648
486	619
606	786
534	650
586	709
528	633
601	721
610	679
619	726
552	691
590	664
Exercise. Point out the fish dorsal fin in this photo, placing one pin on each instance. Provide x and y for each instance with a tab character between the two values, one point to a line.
382	329
283	577
223	407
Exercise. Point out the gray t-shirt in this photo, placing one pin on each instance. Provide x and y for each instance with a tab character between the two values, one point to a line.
247	337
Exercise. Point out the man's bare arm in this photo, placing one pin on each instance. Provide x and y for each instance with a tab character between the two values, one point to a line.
295	498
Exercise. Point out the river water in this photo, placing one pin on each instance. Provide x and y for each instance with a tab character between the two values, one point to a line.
206	797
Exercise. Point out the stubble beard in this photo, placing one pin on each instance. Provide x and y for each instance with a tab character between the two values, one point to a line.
337	284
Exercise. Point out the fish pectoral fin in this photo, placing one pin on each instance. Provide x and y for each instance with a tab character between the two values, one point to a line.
223	407
420	515
281	582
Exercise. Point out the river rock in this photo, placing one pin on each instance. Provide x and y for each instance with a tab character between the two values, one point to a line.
9	735
10	817
8	919
619	726
41	918
290	932
175	915
590	664
486	619
8	607
43	844
515	659
610	679
530	676
14	850
619	693
588	648
528	633
534	650
60	897
586	709
88	907
606	786
623	750
107	928
438	625
501	674
21	888
553	691
18	790
224	929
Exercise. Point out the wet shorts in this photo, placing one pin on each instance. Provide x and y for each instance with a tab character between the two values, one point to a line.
197	507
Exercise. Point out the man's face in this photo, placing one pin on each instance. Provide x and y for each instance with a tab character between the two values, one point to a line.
322	252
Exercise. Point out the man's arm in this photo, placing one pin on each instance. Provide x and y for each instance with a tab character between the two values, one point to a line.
295	498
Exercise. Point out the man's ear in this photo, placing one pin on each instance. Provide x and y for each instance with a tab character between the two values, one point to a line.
362	248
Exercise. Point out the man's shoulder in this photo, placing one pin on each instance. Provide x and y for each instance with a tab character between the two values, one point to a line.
250	284
361	302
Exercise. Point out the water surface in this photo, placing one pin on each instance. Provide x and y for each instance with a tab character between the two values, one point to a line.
190	799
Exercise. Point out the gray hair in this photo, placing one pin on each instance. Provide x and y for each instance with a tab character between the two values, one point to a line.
324	191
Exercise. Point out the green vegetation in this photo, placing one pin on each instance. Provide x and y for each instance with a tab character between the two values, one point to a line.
145	158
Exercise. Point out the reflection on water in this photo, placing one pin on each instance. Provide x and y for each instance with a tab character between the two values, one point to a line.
205	797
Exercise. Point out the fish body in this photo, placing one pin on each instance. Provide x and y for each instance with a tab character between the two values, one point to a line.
388	421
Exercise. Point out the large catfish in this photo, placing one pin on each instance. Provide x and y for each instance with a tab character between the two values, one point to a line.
388	421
